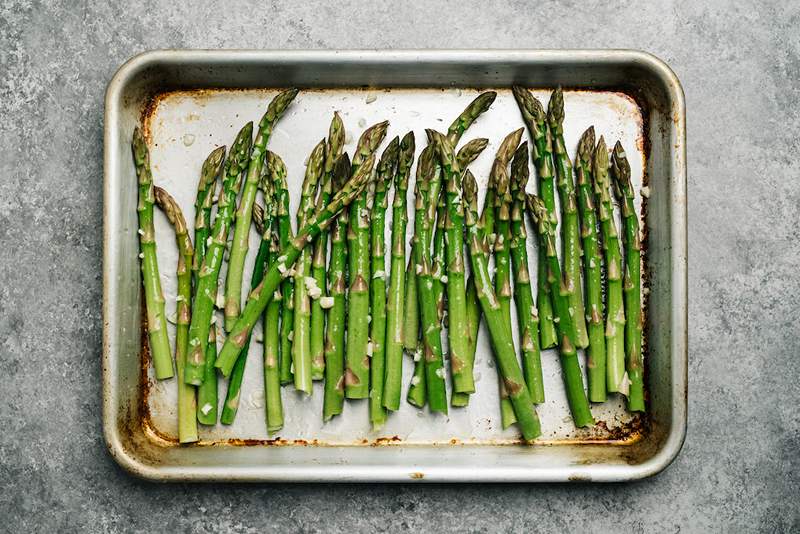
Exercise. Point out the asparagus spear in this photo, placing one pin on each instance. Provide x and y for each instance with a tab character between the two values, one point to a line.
395	312
461	363
231	404
261	295
431	328
333	150
241	233
632	284
417	391
187	401
277	169
466	155
527	316
615	313
272	383
510	371
570	225
205	295
541	154
206	189
264	220
301	340
334	347
356	376
153	296
386	171
596	354
570	368
474	110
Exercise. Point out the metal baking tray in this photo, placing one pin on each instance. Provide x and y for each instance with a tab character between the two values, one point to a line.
192	101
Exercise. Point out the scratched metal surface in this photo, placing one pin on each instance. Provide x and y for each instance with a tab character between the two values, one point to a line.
185	126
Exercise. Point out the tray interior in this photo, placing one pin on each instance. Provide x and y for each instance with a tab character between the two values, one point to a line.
187	112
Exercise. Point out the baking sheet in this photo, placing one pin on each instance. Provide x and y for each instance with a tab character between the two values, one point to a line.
184	126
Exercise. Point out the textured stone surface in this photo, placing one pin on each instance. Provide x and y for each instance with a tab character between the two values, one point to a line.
739	66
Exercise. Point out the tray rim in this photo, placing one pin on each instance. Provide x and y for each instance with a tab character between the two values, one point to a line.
671	446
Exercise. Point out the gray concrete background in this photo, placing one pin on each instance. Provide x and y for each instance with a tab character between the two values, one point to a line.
739	66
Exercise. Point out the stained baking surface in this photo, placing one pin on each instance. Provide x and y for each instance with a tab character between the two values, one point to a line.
184	126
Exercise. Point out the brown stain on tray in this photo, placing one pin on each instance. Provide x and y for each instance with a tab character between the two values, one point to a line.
626	434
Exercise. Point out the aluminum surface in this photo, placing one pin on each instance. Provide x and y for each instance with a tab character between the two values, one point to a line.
184	124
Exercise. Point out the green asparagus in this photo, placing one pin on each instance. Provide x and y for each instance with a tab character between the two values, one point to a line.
570	225
592	262
153	296
356	377
541	154
431	328
632	284
244	215
527	316
187	400
303	282
277	169
335	335
333	151
231	404
395	312
510	372
615	312
570	368
206	190
386	171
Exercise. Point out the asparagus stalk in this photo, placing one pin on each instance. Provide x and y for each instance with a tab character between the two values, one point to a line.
395	312
461	361
206	293
569	212
206	188
334	348
273	403
386	171
596	353
187	401
303	282
356	377
510	372
431	328
475	109
263	221
527	316
244	215
333	151
541	154
632	284
153	296
261	295
488	226
570	368
615	313
277	169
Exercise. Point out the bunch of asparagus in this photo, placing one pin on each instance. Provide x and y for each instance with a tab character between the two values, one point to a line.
322	293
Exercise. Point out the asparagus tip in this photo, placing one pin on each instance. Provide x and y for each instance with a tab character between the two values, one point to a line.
519	168
586	144
555	108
